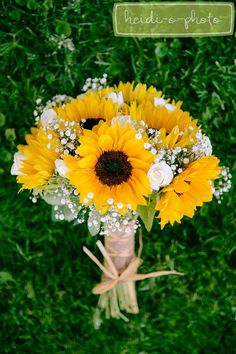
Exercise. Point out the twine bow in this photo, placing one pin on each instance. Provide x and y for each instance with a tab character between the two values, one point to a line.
114	278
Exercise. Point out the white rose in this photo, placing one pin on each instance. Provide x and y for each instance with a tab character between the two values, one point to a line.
116	98
160	174
17	164
122	120
61	168
48	116
159	101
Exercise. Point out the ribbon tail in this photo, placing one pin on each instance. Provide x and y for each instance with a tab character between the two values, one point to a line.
104	286
136	277
107	258
98	263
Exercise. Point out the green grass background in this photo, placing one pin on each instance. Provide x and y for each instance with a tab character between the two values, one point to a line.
46	305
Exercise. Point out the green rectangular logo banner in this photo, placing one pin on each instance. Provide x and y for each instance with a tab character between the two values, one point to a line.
171	19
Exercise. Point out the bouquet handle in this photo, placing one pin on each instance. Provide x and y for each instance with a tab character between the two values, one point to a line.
117	287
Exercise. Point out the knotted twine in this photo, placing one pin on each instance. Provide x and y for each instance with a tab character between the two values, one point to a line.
112	275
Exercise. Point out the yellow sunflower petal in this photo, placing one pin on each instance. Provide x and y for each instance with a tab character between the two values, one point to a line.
105	142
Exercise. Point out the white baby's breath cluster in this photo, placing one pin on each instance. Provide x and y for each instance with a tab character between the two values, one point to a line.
202	147
64	201
116	222
223	184
94	84
111	221
68	137
40	108
177	158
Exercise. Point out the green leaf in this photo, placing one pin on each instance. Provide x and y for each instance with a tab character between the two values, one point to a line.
5	155
94	222
161	50
50	78
63	27
15	14
147	212
10	134
52	199
32	4
64	210
21	2
30	290
5	277
2	119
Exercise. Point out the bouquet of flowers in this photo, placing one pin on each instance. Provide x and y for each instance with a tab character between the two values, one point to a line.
111	157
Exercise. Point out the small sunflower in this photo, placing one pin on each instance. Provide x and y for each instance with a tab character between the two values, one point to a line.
177	128
89	109
138	93
112	168
188	190
37	158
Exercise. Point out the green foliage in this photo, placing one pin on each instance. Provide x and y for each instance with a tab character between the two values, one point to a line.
94	223
46	304
63	27
2	119
147	213
10	134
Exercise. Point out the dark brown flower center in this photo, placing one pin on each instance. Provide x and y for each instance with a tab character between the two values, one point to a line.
91	122
113	168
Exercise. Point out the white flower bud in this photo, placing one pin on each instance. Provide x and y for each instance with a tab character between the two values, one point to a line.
48	116
61	168
170	107
103	81
17	164
159	101
38	101
160	175
116	98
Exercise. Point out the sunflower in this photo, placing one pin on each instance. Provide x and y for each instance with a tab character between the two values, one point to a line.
188	190
37	158
138	93
89	109
176	127
112	168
